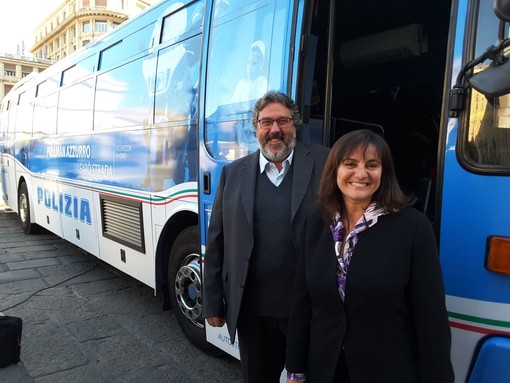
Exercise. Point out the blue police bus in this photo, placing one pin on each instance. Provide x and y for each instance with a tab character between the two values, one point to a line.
118	147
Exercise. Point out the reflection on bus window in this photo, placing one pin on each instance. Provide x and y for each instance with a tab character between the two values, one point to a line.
254	83
488	138
233	89
121	97
71	119
129	46
489	130
45	115
172	156
184	23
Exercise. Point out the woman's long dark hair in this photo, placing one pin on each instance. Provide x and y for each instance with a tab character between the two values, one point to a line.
389	195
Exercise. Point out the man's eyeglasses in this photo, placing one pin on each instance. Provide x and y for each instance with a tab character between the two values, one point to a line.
267	123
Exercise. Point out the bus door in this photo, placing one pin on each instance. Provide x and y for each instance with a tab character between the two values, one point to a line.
247	53
475	229
9	193
378	66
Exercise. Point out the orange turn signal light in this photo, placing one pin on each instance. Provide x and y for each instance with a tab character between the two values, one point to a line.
498	255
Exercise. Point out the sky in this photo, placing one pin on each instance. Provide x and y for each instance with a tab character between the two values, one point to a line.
19	20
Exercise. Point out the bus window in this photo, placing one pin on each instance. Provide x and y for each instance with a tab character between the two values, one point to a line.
121	97
45	115
46	87
487	142
180	25
232	88
131	45
174	89
81	69
24	123
76	118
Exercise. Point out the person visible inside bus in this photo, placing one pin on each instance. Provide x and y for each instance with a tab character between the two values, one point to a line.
254	84
260	205
368	302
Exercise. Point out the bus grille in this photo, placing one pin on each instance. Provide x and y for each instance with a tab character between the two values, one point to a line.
122	222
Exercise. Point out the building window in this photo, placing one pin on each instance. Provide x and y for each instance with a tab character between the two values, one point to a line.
101	26
86	27
25	71
9	70
85	42
85	3
100	3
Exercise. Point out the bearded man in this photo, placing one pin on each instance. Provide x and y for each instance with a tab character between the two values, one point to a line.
258	214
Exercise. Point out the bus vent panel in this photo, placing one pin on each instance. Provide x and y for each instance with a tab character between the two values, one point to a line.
122	222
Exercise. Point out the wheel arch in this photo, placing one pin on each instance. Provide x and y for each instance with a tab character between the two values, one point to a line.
174	226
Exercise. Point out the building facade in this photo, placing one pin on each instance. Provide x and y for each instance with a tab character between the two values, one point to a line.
75	23
15	67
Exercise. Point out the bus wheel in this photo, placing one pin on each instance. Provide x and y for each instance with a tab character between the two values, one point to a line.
185	285
24	210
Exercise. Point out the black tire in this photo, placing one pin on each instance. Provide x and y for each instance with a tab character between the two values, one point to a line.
185	288
24	211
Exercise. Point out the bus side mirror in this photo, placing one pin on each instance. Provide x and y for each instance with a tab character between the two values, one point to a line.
502	9
493	81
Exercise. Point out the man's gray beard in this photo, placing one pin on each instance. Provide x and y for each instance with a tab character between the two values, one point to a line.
282	154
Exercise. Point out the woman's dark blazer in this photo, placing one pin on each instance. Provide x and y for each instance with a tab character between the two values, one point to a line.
393	325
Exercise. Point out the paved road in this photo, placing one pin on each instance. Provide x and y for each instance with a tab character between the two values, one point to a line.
85	322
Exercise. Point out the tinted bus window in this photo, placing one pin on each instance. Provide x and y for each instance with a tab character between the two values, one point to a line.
233	88
47	86
184	23
133	44
121	97
24	113
75	117
488	133
45	115
78	71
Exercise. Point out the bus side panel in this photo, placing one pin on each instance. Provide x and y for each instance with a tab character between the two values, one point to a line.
477	299
128	246
474	207
47	203
79	226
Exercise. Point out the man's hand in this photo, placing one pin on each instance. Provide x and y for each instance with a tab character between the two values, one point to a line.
215	321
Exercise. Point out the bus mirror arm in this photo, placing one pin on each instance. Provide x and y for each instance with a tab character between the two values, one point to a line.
493	81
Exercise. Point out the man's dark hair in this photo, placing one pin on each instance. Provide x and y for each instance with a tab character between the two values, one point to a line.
276	96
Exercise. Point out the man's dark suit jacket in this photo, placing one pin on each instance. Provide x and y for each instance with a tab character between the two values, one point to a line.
230	235
393	326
